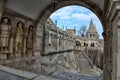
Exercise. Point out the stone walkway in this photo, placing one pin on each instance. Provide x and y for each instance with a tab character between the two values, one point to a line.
14	74
8	76
7	73
76	76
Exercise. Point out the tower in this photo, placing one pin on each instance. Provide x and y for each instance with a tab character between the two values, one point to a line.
92	32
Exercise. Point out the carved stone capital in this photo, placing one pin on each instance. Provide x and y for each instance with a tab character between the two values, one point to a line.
114	9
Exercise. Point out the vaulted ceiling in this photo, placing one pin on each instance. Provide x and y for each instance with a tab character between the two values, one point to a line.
33	8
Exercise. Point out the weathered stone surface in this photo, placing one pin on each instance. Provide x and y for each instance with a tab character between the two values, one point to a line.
58	62
107	11
77	76
83	61
8	76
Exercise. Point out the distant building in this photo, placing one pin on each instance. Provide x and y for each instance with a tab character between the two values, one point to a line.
92	45
71	31
60	40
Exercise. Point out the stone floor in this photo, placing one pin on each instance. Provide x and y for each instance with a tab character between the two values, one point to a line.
8	76
76	76
7	73
90	72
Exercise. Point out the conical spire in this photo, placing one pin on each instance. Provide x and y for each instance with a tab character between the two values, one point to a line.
92	28
92	32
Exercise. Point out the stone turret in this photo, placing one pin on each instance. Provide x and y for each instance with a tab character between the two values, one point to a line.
92	32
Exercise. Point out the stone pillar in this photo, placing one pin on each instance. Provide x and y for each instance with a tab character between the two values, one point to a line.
45	41
105	56
116	48
112	57
57	43
57	39
2	2
115	20
38	45
11	43
64	42
24	42
46	49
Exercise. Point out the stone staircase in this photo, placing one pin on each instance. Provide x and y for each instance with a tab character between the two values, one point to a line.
84	62
7	73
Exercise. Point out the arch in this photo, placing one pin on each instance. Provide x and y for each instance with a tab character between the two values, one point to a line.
84	44
92	44
85	3
78	43
62	3
88	4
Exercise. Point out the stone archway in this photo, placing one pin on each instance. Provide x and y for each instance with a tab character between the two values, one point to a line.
88	4
110	49
110	18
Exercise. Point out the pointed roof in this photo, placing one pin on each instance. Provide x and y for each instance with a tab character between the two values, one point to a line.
92	27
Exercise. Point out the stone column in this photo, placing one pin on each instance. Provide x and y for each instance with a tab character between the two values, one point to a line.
112	57
110	54
38	45
44	40
116	48
57	43
24	41
63	42
57	39
105	55
11	42
46	48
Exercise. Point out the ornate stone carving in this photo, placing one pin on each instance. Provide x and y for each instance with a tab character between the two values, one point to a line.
29	41
5	28
19	36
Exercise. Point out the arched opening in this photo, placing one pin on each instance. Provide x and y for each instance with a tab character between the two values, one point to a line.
78	43
92	44
108	14
50	9
37	11
67	36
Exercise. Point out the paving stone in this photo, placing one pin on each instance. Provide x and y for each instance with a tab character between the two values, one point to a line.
8	76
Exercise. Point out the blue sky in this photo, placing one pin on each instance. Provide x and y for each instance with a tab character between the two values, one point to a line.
77	16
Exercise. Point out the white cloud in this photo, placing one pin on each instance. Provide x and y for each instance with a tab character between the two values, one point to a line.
84	17
76	16
75	25
75	12
63	13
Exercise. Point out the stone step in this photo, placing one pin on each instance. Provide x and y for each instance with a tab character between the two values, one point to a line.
84	62
7	73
